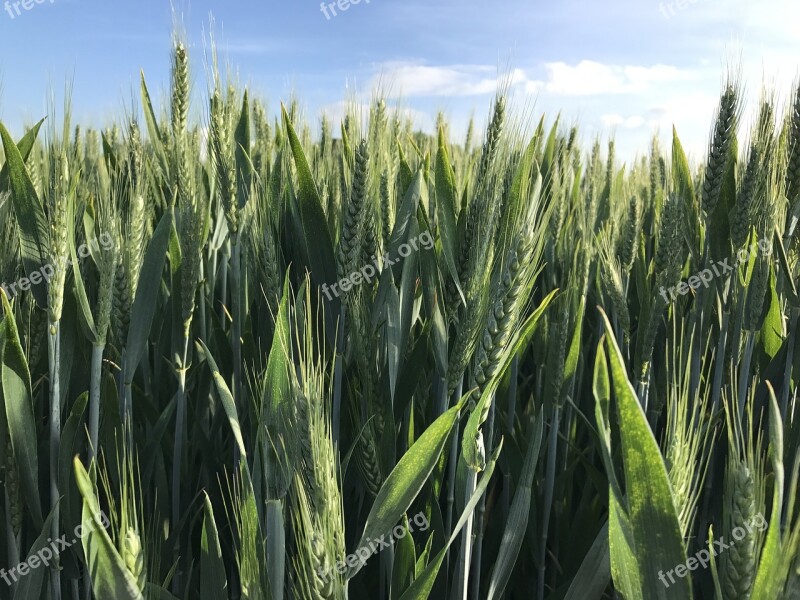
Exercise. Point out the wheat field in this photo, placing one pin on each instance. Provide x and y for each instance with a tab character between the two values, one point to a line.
242	360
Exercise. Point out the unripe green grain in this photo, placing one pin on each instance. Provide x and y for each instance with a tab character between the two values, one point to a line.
493	137
122	302
739	561
741	215
368	461
757	293
59	203
612	284
724	131
668	259
133	556
387	209
352	234
223	160
793	167
180	90
630	237
504	315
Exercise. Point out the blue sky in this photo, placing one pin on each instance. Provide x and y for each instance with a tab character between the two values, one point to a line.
627	67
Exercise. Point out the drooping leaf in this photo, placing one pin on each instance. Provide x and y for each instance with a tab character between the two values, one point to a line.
30	586
73	440
682	181
24	145
277	396
405	561
84	309
446	203
317	244
591	580
156	136
244	168
423	584
772	329
226	397
18	403
406	479
34	234
650	504
622	549
213	581
110	576
472	444
147	289
517	522
776	559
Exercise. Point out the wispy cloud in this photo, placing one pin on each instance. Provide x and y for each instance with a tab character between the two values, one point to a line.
418	80
585	78
615	120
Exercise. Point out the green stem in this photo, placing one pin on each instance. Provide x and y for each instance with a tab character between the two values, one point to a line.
223	284
180	418
128	425
54	355
387	566
125	411
736	337
276	548
643	386
336	415
696	329
696	333
510	414
451	468
147	375
744	371
481	511
94	399
550	478
719	366
441	404
462	575
787	376
201	302
236	332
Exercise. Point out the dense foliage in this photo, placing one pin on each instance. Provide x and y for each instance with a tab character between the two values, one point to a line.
389	365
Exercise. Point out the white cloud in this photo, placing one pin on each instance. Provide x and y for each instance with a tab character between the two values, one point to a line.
615	120
634	122
692	114
415	80
612	120
586	78
631	101
590	78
